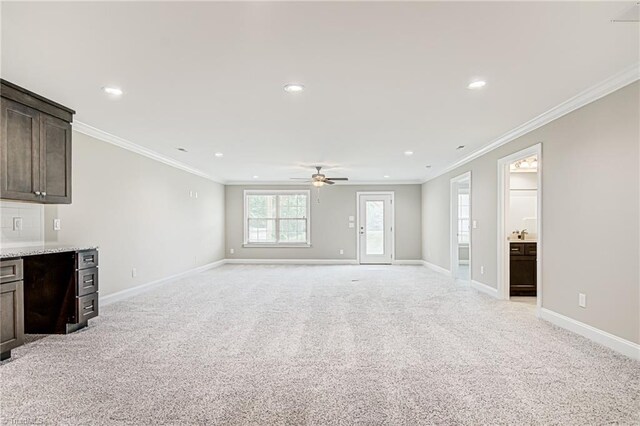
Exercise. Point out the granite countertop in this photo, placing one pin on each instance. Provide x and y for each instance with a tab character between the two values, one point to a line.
522	241
8	252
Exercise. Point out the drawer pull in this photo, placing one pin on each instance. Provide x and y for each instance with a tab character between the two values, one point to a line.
87	259
89	281
86	308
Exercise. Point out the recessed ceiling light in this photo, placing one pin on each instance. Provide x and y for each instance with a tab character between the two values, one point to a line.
182	149
460	147
113	91
408	153
477	84
293	87
386	176
219	154
256	176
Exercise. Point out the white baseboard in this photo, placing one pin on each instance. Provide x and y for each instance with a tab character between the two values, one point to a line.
436	268
618	344
130	292
408	262
292	261
484	288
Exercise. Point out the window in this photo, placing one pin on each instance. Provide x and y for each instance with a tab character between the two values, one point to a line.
463	217
276	218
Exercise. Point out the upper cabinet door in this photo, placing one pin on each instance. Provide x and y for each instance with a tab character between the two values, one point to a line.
55	160
20	152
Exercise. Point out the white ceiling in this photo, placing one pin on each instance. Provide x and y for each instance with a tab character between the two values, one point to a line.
380	78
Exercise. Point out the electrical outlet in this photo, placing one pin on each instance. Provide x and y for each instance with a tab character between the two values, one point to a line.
582	300
482	269
196	194
190	194
475	224
56	224
341	251
134	272
17	224
231	251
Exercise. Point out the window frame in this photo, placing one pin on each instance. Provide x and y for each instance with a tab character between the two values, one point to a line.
277	193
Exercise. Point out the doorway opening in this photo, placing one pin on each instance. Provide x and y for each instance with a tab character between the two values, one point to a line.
375	238
461	227
520	226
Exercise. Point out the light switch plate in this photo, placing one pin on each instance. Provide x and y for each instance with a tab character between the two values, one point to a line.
352	218
231	251
352	225
582	300
341	251
475	224
56	224
17	224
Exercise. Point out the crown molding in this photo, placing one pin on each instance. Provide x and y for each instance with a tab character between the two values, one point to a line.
599	90
130	146
307	183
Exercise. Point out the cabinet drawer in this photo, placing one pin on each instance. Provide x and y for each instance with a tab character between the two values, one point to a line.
87	281
516	249
86	259
87	307
530	249
10	270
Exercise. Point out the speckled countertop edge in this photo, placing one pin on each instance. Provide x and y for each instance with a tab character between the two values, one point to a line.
7	253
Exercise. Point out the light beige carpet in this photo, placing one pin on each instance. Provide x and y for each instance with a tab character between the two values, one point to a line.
397	345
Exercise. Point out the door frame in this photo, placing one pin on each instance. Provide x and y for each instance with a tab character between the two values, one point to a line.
393	221
453	226
502	234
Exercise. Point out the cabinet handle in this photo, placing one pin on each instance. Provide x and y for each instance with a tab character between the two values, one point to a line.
88	281
37	193
86	308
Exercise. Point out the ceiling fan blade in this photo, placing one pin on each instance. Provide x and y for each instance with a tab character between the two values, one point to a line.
299	178
328	182
338	178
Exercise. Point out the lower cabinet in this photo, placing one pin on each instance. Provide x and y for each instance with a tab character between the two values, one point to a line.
523	269
55	293
11	307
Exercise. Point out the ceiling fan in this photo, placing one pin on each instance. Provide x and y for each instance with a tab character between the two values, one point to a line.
318	179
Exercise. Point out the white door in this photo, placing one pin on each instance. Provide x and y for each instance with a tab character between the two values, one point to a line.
376	228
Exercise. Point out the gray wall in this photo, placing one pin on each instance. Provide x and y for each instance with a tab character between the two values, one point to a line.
140	214
329	223
590	207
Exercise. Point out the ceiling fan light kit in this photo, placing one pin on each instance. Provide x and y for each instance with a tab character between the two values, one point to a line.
318	179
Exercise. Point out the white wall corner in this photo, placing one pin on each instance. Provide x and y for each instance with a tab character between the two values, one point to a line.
436	268
143	288
618	344
486	289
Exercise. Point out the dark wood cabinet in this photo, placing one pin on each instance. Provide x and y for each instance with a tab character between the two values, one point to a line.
523	269
35	145
61	291
11	307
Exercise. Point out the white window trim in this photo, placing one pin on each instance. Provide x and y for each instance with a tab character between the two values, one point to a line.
246	242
